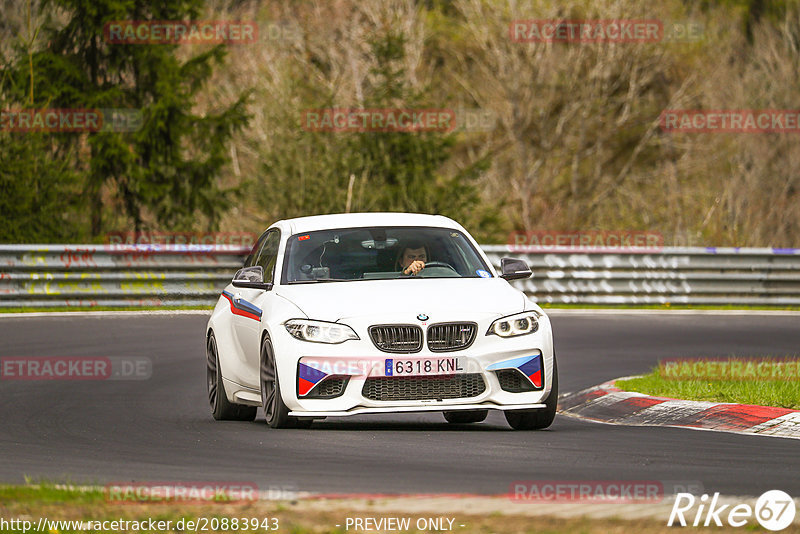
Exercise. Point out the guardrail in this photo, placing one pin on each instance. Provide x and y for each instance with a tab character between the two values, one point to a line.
709	275
115	275
194	275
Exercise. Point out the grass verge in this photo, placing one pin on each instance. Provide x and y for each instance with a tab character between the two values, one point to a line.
299	516
781	394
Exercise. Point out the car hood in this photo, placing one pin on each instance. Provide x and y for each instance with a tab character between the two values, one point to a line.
333	301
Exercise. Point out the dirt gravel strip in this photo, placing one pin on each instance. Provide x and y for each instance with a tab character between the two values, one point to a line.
463	507
467	513
607	403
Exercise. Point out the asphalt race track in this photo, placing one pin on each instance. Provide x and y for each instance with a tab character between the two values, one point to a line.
161	429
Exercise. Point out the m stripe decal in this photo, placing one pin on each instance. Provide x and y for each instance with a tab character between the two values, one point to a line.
243	308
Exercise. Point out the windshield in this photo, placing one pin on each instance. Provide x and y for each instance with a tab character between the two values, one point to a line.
380	253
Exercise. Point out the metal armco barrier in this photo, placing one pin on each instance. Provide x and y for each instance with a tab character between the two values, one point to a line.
709	275
194	275
115	275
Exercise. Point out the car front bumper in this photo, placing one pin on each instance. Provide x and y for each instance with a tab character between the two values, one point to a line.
483	356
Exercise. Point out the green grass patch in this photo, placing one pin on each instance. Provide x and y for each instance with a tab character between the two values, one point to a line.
47	493
778	393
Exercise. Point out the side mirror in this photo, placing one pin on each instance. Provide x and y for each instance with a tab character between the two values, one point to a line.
250	277
514	269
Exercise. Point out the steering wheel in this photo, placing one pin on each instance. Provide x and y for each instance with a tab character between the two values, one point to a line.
439	264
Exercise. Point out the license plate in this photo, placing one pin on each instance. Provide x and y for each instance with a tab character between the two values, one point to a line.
423	366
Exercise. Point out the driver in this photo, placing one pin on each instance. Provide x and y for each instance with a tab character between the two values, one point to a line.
412	257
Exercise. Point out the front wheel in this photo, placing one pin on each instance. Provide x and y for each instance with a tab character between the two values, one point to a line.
541	418
275	411
221	408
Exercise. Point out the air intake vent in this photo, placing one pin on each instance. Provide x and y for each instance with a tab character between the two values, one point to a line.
513	381
447	337
396	338
423	387
329	388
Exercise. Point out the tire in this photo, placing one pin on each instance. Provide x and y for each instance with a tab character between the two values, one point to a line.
275	411
466	416
221	408
541	418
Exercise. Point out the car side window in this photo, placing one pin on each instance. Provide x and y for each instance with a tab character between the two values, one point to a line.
268	255
251	258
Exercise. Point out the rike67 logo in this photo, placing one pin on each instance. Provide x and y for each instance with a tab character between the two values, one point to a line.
774	510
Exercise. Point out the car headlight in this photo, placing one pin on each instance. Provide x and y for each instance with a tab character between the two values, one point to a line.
319	331
515	325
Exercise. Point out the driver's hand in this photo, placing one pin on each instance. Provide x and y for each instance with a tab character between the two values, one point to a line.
414	267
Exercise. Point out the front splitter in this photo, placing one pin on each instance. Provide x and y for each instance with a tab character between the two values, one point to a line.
411	409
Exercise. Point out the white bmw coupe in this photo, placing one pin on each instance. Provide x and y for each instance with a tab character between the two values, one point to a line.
369	313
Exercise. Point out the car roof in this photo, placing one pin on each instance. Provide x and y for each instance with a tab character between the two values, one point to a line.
357	220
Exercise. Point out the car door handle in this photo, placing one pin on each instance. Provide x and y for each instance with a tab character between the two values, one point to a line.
237	297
